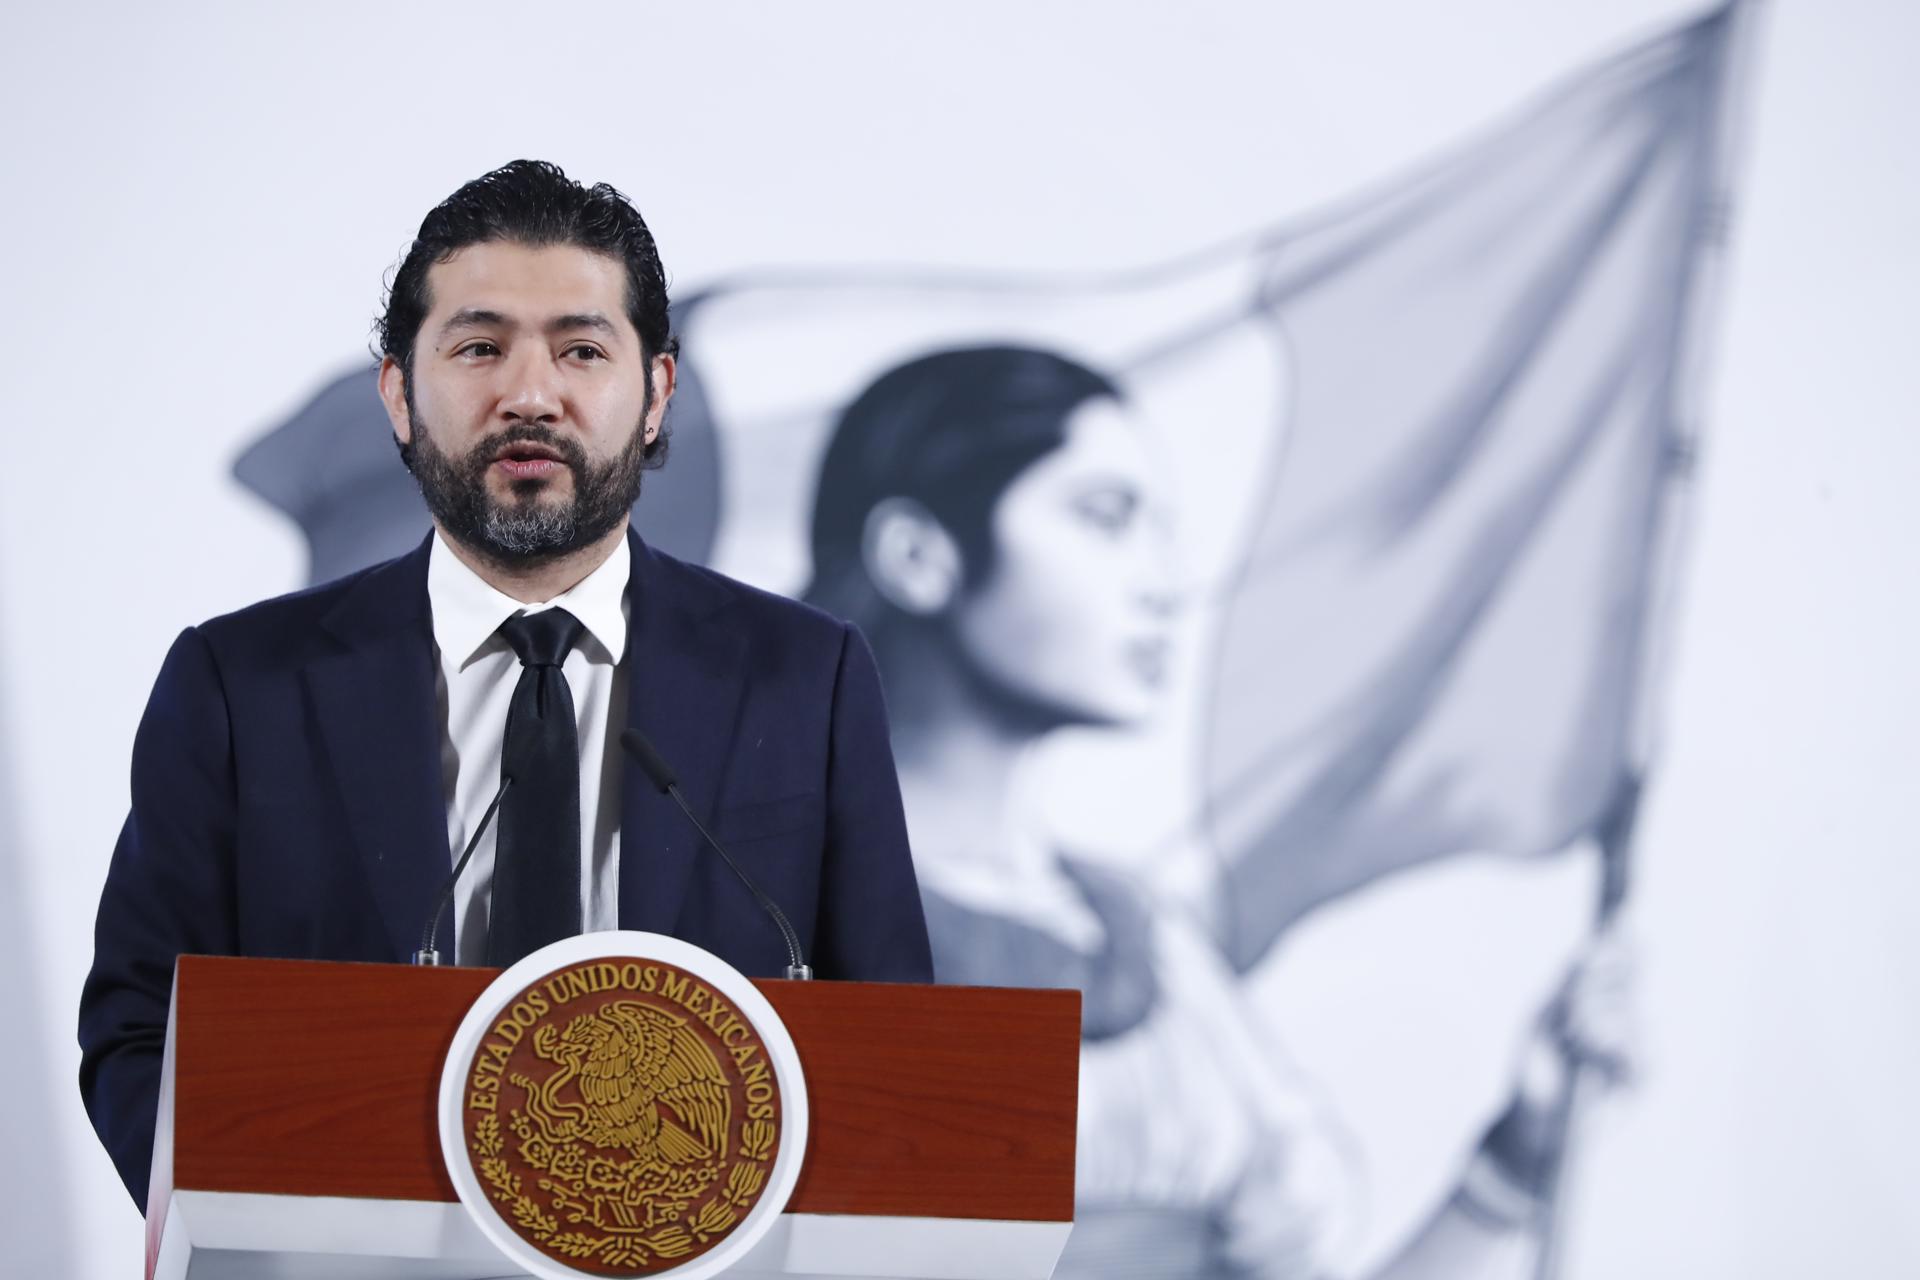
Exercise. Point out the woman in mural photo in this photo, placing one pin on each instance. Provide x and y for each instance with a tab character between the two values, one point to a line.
993	519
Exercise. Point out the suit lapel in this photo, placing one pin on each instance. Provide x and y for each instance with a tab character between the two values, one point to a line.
373	698
684	682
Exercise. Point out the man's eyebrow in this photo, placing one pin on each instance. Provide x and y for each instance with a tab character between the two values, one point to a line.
474	318
581	320
481	318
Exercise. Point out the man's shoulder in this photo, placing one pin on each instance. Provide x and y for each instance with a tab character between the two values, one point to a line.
715	597
293	624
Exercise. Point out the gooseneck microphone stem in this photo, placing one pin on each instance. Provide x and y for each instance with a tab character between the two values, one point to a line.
429	953
796	963
655	767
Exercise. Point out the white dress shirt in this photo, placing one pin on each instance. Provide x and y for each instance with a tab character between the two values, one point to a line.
478	672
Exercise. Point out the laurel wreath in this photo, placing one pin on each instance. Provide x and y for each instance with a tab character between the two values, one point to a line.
756	1139
712	1218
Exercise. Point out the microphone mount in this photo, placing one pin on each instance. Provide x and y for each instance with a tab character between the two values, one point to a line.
661	776
429	952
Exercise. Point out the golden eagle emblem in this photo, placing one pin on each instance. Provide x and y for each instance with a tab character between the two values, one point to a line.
645	1082
611	1119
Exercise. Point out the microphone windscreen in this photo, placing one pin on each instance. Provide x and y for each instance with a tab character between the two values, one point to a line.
648	759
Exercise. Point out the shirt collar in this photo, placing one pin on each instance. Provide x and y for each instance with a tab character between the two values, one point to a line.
468	610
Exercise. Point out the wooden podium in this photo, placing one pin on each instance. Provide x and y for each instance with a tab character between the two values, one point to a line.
297	1131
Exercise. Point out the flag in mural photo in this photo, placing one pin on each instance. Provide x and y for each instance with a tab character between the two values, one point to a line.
1211	594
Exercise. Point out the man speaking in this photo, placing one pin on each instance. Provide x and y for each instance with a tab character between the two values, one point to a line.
308	768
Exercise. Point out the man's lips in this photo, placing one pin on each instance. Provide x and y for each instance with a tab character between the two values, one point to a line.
528	461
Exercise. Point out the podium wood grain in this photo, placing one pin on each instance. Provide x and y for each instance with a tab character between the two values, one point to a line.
308	1078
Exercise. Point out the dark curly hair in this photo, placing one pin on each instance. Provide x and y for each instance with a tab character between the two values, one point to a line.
534	203
952	430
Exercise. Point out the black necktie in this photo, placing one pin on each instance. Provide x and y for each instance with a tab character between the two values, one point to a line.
536	862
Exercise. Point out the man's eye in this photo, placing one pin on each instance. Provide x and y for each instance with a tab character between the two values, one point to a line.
479	349
582	351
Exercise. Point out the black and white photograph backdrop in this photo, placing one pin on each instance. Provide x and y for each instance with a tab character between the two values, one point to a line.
1384	528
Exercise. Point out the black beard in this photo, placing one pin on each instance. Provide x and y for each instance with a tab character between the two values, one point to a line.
525	532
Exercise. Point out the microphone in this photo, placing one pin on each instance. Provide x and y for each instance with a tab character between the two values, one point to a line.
661	776
429	952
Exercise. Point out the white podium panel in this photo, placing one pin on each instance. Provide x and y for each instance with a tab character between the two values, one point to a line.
218	1235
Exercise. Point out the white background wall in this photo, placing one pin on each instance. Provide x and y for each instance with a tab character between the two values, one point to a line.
199	202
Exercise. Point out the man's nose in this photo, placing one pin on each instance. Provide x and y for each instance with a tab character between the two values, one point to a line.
531	391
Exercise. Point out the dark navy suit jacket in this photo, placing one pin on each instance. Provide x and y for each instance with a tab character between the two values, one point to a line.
287	801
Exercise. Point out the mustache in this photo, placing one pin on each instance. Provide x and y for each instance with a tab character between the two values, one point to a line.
481	456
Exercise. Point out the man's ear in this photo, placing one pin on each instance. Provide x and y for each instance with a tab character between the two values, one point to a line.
910	557
664	373
393	394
